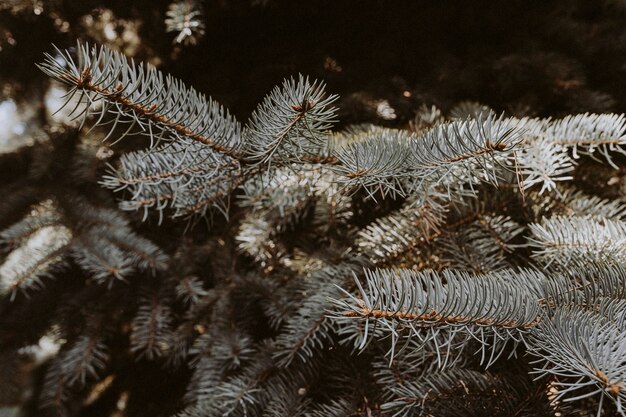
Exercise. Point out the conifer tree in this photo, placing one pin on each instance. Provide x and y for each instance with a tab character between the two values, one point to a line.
182	262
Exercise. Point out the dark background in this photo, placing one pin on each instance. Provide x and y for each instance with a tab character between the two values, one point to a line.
522	57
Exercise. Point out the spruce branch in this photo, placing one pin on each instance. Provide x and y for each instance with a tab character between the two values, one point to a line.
572	201
587	284
613	309
176	176
203	159
107	247
79	362
239	394
280	199
479	140
339	407
584	352
418	358
416	303
308	330
160	106
40	256
552	146
569	239
484	245
376	163
588	134
189	289
83	359
388	238
469	110
545	163
268	334
579	204
445	393
42	215
102	260
398	162
152	333
291	122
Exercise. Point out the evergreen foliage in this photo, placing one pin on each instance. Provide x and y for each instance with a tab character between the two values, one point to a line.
461	266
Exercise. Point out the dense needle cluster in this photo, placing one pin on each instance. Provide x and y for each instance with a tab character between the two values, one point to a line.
456	268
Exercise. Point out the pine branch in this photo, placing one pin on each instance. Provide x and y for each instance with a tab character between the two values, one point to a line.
290	122
545	163
589	133
570	239
406	301
152	334
173	175
385	240
38	257
161	107
80	361
448	393
308	330
107	247
579	204
398	163
585	352
376	163
483	245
